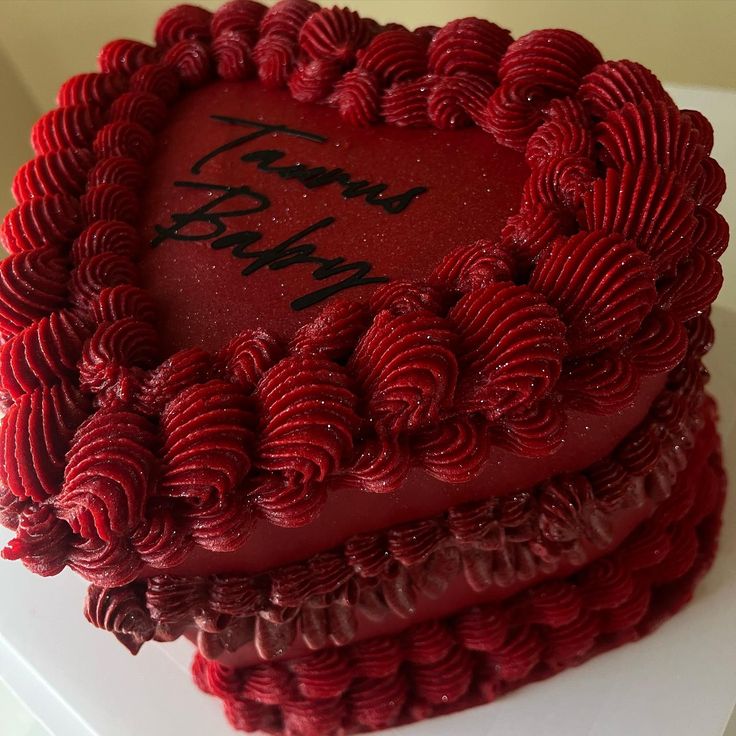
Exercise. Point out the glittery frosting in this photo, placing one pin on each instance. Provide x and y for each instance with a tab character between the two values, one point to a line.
110	440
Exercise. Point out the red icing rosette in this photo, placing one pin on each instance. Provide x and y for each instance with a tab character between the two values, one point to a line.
32	286
602	285
143	108
158	79
161	539
381	466
457	101
221	524
535	227
117	170
35	437
468	46
41	222
313	81
334	34
238	16
191	60
43	354
113	354
121	301
602	383
394	56
557	139
377	703
42	541
106	236
123	138
248	356
357	97
406	366
208	441
403	297
710	184
233	56
474	266
60	172
651	132
335	332
308	419
108	475
693	288
67	127
109	202
121	612
124	56
182	22
659	344
512	344
647	205
614	83
534	431
92	88
182	370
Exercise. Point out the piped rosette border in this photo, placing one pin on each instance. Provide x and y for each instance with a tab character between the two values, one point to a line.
114	459
498	547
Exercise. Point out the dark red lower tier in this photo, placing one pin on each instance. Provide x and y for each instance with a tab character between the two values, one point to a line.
444	665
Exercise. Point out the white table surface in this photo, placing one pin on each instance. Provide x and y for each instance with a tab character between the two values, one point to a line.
60	676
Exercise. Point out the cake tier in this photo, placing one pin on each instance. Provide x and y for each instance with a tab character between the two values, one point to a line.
348	510
379	583
359	356
447	664
242	325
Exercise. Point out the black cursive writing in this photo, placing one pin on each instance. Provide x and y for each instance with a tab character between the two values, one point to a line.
211	220
311	177
208	222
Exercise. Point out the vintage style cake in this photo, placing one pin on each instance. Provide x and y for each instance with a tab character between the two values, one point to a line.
367	359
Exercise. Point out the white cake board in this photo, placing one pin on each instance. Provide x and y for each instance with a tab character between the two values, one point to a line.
680	681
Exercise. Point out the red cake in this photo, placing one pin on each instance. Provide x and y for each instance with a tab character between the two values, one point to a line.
367	359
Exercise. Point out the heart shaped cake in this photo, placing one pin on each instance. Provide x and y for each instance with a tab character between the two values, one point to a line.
367	359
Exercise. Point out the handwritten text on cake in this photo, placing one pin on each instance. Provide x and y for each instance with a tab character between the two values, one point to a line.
225	201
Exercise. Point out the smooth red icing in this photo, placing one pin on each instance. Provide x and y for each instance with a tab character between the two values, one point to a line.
204	300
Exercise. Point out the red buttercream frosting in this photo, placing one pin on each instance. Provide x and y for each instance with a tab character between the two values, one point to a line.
556	152
287	260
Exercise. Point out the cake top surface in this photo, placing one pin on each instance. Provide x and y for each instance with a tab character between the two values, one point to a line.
286	250
313	209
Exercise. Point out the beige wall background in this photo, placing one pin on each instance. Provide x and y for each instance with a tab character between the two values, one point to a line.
686	41
43	42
